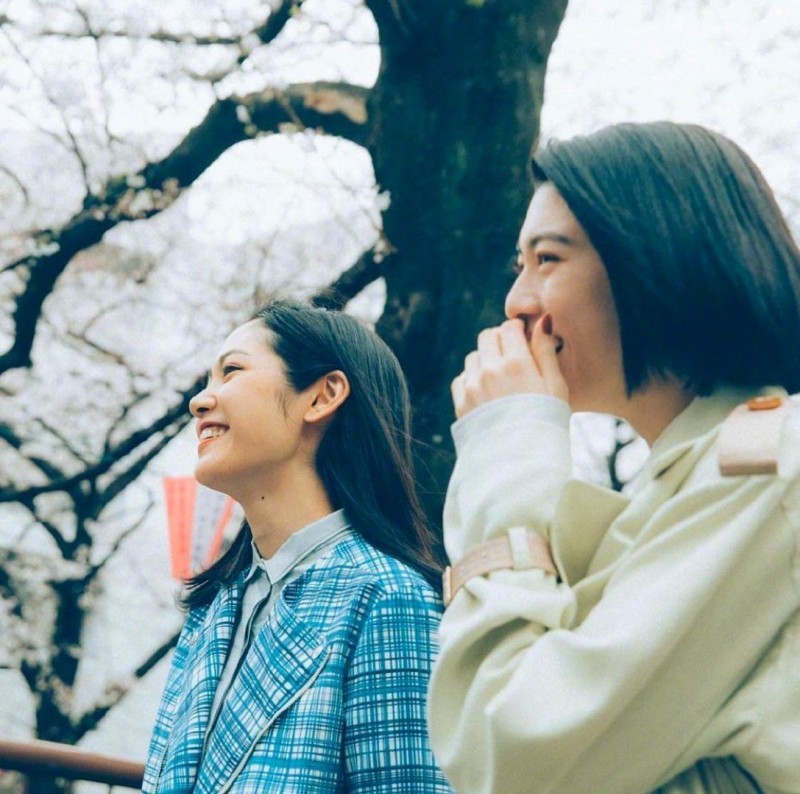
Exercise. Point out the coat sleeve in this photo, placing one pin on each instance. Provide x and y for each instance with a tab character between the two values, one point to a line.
386	744
527	698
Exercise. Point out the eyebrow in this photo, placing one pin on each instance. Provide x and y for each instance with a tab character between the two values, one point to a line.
220	360
553	237
233	352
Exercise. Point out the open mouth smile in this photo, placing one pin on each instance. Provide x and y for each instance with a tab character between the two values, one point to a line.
208	432
211	432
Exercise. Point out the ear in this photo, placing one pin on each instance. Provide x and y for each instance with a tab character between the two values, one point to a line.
326	395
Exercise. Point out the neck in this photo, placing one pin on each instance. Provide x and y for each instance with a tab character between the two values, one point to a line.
277	509
652	408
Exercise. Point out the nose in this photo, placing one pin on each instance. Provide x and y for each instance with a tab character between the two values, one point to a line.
201	403
524	299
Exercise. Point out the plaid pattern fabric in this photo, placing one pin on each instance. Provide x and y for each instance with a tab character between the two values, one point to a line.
330	697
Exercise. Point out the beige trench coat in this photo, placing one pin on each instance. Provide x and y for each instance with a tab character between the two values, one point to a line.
668	656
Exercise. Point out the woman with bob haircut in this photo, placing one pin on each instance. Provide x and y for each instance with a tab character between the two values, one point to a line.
601	643
303	665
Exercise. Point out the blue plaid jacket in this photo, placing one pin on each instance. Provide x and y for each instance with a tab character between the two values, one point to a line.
329	698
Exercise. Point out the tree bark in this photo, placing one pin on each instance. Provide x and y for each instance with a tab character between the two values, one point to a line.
454	116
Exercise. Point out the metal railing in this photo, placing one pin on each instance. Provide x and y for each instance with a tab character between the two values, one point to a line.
52	760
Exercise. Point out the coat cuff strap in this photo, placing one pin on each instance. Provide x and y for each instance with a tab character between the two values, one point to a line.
520	549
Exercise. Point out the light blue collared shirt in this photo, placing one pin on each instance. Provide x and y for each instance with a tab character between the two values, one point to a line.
263	585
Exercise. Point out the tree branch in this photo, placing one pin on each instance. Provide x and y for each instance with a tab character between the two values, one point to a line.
8	588
95	569
123	480
396	19
115	692
332	108
277	20
265	33
112	455
338	109
368	268
65	547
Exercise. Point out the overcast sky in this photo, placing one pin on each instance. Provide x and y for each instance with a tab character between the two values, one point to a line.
733	65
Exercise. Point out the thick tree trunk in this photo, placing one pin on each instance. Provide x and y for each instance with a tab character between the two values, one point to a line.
454	116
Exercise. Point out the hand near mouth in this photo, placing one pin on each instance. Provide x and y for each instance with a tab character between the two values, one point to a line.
507	362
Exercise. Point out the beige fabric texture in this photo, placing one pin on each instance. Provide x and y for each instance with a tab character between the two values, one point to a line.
668	657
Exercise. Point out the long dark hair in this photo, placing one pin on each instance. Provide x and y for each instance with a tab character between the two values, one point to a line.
703	268
364	458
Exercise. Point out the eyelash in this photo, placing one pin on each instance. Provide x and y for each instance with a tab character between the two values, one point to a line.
228	368
541	259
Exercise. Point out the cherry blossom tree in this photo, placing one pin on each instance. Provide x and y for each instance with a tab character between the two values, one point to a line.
164	168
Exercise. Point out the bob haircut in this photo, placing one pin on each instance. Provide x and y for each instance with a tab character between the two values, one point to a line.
364	458
703	268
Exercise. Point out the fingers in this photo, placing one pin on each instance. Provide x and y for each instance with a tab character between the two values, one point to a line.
465	387
544	346
513	342
489	346
504	364
459	396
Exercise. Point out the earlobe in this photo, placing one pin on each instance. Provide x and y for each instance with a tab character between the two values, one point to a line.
327	394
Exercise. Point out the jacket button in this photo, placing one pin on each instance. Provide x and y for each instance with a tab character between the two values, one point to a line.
764	403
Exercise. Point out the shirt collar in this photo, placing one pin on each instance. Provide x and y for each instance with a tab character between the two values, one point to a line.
299	546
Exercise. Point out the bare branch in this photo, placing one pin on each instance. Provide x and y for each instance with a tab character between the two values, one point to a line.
156	656
394	18
368	268
115	692
13	440
175	415
58	108
277	20
8	587
267	32
333	108
338	109
123	536
132	473
123	414
160	36
65	547
17	181
8	435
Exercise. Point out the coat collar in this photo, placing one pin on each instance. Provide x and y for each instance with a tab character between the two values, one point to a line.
581	540
300	547
698	419
283	662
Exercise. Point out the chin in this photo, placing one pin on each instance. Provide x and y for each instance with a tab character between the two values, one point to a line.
207	477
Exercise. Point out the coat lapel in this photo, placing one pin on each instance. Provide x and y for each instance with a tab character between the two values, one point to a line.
205	661
282	662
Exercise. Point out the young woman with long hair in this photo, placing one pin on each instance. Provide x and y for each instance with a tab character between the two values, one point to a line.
304	661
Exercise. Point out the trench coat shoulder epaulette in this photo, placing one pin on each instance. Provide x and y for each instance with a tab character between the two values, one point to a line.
749	438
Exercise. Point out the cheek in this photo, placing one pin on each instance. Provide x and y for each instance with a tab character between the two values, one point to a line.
608	312
586	317
606	332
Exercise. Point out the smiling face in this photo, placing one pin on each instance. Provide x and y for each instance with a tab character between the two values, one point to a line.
559	272
249	421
